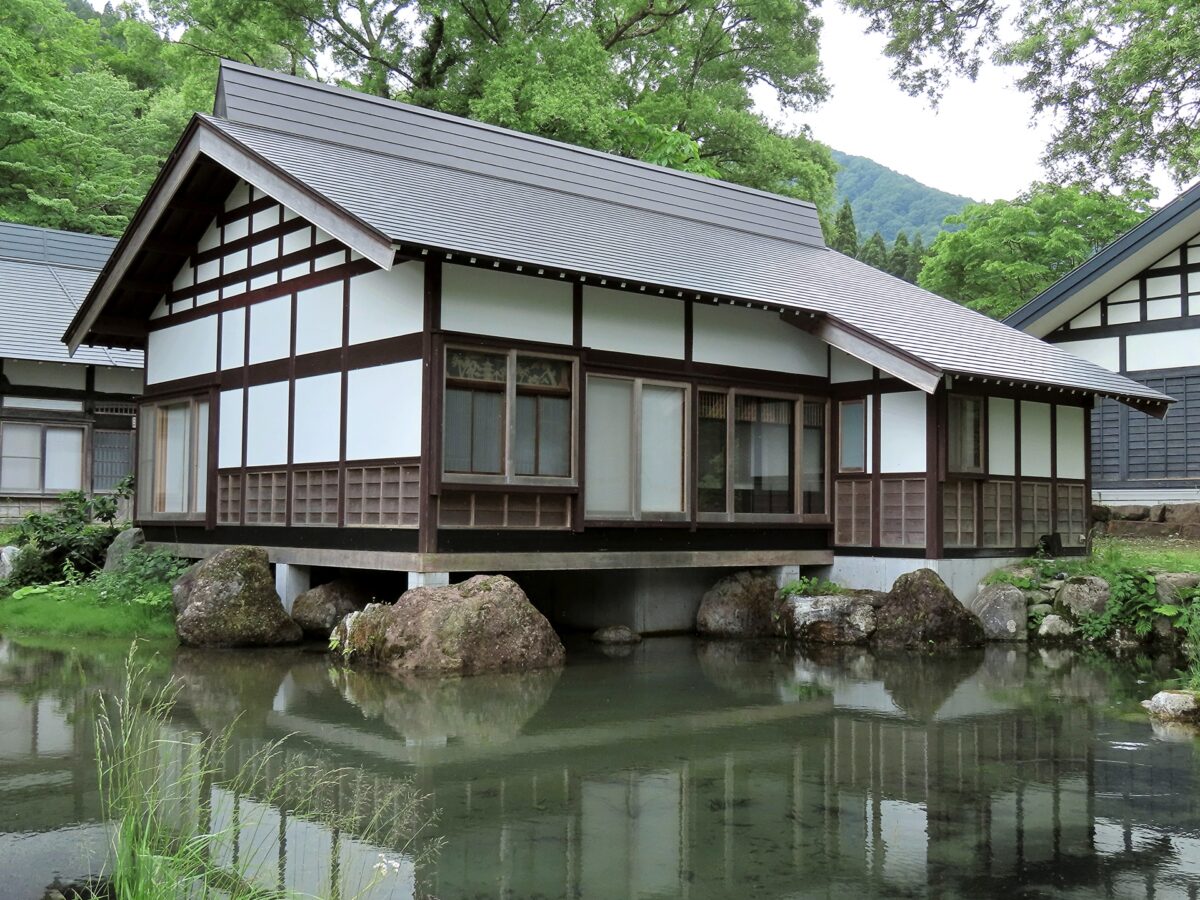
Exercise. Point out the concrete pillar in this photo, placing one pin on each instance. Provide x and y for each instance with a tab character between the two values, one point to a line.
785	574
290	582
428	579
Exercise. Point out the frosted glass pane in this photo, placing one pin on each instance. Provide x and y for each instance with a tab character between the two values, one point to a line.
554	436
609	446
23	440
853	436
201	456
525	449
487	439
457	434
64	459
20	467
662	449
174	427
147	431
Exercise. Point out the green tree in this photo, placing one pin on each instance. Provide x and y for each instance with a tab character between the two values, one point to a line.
1120	79
1009	251
916	259
899	255
874	252
845	234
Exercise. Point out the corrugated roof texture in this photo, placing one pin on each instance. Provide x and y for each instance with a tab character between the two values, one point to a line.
44	277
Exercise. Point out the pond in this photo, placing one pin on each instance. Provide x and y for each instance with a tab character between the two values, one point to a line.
678	768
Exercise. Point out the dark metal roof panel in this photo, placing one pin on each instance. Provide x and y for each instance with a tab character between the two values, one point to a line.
60	248
308	109
422	203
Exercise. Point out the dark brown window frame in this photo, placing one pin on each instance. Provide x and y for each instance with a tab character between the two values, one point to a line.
853	470
981	401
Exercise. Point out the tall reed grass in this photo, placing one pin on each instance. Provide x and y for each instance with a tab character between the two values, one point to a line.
188	816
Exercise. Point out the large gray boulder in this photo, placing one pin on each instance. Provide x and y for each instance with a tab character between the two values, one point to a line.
1168	586
8	556
743	605
1083	595
1055	628
921	612
832	619
1002	610
317	610
229	600
1182	513
1130	513
616	635
1174	706
484	624
129	539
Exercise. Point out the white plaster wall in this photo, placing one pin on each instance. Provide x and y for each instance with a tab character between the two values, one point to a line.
1128	291
233	338
1163	286
902	432
46	374
118	380
1089	318
1166	350
1102	351
870	461
625	322
1120	313
503	304
1070	442
383	411
1002	438
1165	308
1171	259
1035	439
317	425
239	196
387	304
267	424
876	573
756	339
229	429
270	329
843	367
211	238
319	318
181	351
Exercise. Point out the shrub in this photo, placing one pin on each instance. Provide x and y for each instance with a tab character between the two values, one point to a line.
76	533
808	586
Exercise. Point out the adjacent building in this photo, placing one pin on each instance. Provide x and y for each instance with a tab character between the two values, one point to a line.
66	421
1134	308
383	337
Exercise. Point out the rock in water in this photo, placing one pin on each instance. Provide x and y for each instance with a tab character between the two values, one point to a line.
1174	706
743	605
229	600
1085	595
127	540
1002	612
832	619
316	611
1055	628
616	634
920	612
484	624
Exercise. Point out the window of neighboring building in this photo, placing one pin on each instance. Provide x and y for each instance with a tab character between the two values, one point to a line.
41	459
812	458
763	455
507	415
636	448
965	438
852	439
112	458
174	458
710	463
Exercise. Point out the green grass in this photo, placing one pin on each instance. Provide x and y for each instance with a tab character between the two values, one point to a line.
8	535
1111	556
82	610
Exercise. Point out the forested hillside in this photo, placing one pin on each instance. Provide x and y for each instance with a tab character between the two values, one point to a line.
888	202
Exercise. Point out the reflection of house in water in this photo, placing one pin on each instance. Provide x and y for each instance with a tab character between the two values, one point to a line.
715	770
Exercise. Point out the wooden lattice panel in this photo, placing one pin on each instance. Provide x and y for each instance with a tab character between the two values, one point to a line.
852	512
999	525
266	498
482	509
383	496
229	499
958	513
315	497
1035	511
1071	514
903	507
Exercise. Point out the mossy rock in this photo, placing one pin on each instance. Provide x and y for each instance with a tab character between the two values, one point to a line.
229	600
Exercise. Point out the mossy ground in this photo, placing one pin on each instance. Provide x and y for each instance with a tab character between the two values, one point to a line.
80	610
1111	556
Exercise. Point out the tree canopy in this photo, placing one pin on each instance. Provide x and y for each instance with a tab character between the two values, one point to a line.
1009	251
1120	79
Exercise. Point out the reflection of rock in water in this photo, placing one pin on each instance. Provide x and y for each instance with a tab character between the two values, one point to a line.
475	709
219	686
746	668
920	684
834	659
1005	666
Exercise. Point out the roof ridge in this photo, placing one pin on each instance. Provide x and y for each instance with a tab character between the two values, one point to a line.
363	97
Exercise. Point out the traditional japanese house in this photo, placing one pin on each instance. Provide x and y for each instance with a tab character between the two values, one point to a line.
383	337
1134	308
65	420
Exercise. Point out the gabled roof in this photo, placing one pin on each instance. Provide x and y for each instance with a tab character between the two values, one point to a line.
44	277
1135	250
431	183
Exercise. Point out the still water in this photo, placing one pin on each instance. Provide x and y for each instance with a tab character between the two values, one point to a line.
679	768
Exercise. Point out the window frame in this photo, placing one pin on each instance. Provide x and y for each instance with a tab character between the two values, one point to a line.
148	487
133	451
864	469
635	453
953	398
508	431
43	424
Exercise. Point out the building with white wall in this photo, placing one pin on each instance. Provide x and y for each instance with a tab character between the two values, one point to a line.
383	337
66	422
1134	308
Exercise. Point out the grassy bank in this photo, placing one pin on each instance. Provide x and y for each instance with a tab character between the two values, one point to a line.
84	610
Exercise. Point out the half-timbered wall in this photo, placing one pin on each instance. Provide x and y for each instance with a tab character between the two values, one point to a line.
1148	329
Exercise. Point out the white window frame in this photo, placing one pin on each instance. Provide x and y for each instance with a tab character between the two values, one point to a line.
44	424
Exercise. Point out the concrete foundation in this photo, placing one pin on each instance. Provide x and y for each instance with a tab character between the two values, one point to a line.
428	579
290	582
877	573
